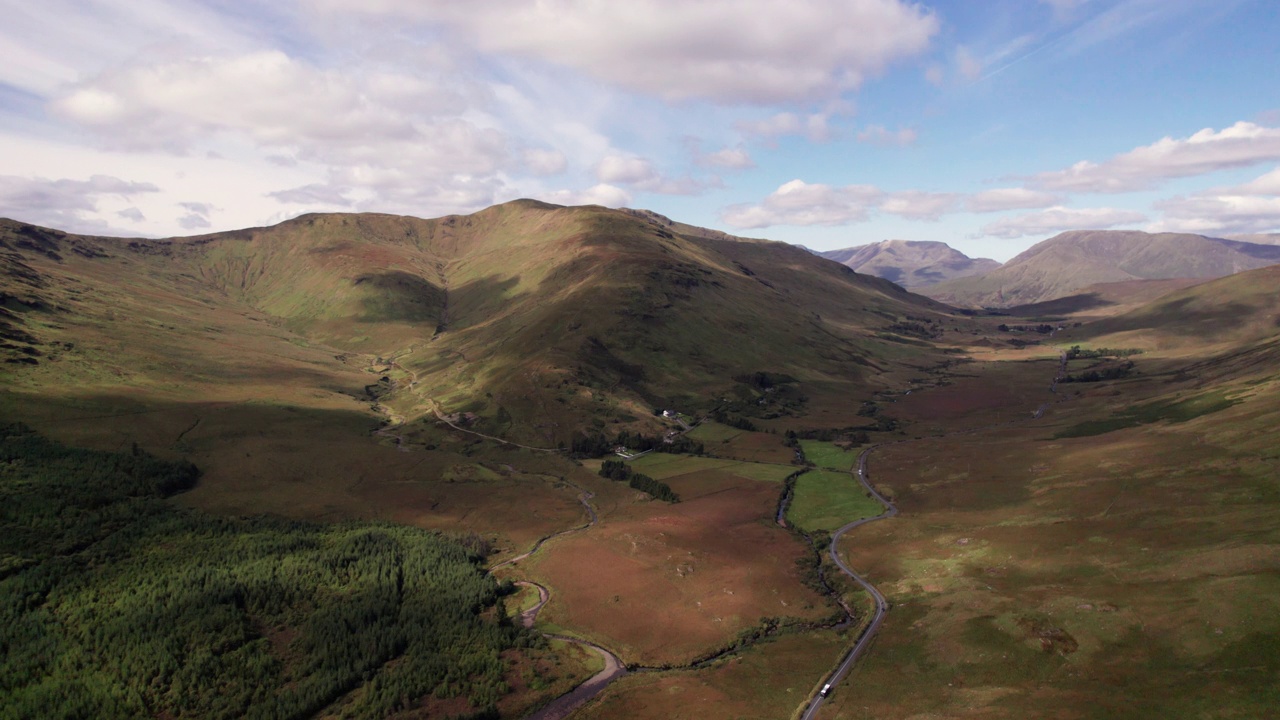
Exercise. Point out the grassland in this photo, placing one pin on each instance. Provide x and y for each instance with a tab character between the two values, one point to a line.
1129	572
764	682
827	500
829	456
666	584
664	466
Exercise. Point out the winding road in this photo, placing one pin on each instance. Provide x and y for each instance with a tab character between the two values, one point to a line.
614	668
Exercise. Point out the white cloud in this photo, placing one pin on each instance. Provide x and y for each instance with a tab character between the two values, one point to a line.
412	142
132	213
640	174
1058	219
801	203
624	170
1010	199
728	158
920	205
65	203
602	194
730	51
878	135
1207	151
1253	207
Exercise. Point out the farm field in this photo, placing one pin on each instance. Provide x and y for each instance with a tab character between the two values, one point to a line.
664	466
827	500
829	456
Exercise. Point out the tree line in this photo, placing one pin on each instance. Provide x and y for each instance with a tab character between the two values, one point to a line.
620	471
598	445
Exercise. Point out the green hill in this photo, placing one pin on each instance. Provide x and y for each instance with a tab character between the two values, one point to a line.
540	321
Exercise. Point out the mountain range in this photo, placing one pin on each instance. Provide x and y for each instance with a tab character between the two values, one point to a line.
1066	263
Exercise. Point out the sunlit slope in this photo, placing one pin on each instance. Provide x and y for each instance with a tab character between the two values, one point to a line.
1062	265
1241	309
541	320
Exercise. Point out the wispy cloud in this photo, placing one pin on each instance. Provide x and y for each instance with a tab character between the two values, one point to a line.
878	135
1058	219
1010	199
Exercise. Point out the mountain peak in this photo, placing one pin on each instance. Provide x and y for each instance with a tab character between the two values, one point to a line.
911	263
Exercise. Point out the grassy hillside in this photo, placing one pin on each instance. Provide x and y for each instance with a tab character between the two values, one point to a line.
538	321
1064	264
911	264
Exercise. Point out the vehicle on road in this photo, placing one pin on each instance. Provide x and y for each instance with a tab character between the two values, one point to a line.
826	689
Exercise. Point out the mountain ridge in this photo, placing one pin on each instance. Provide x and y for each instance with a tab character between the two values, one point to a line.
540	320
1076	259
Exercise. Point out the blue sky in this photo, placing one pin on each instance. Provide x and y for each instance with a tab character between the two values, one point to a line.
832	123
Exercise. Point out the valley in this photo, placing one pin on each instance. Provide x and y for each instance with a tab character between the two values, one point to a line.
1103	546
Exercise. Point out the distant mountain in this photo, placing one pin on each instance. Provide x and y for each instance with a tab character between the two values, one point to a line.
911	263
1064	264
1259	238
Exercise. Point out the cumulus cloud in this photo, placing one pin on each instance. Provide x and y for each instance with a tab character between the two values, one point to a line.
602	194
920	205
1058	219
624	170
878	135
1010	199
1142	168
776	53
640	174
65	203
801	203
416	136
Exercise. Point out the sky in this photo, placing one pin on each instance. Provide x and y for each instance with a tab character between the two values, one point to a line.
830	123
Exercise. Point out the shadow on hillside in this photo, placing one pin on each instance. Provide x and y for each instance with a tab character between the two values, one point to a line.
1062	306
1177	318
